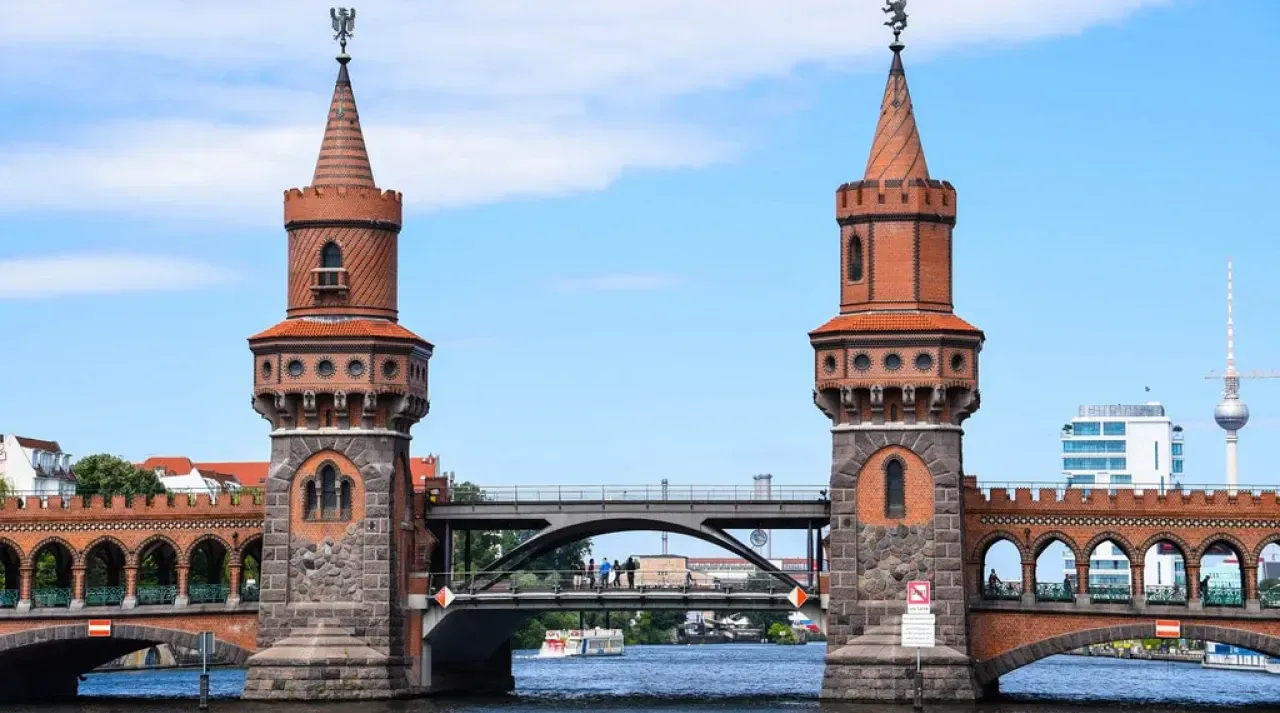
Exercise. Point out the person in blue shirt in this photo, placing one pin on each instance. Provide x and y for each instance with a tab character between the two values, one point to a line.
604	572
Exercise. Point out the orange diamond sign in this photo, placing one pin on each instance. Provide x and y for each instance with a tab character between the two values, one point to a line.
797	597
444	597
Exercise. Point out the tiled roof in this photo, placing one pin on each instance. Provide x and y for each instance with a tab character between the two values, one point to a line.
306	328
343	159
896	152
897	322
251	474
38	444
173	465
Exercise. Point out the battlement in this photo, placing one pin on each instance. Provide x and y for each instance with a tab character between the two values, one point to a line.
1112	501
97	508
342	203
896	197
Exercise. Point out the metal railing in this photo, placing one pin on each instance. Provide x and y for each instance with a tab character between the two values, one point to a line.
1166	595
1055	593
154	594
249	592
635	493
1109	593
1270	598
9	598
1092	489
51	598
208	593
556	581
1002	591
103	596
1222	597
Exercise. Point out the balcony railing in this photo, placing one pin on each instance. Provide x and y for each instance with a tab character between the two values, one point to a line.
1109	593
1055	593
208	593
1222	597
1166	595
329	279
103	596
51	598
1270	598
249	592
1007	591
157	594
9	598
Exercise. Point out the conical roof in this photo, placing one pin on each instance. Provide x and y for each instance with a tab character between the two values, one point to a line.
896	152
343	159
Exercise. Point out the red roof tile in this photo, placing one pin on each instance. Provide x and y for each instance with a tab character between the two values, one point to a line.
251	474
172	465
896	153
306	328
897	322
38	444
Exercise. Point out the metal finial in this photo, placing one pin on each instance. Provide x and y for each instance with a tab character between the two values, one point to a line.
344	26
897	23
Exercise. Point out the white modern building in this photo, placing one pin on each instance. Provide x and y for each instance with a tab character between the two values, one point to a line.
179	475
1124	445
35	467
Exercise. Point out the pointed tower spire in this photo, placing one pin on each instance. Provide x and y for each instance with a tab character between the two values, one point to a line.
896	153
343	159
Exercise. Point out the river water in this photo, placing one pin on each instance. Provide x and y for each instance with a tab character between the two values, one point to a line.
693	679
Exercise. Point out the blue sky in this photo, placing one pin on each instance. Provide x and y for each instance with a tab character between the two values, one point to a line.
620	219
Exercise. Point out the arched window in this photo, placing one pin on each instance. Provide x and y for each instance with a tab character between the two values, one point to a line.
330	257
895	489
344	500
855	259
328	491
309	509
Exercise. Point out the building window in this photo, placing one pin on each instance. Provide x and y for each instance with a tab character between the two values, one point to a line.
1093	446
1155	452
1177	449
855	259
895	489
1177	465
1095	464
344	500
330	257
328	490
1122	480
1087	428
1080	480
309	509
1113	428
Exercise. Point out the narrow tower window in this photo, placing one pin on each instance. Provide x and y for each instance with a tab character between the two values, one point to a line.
309	509
330	257
855	259
344	500
328	491
895	487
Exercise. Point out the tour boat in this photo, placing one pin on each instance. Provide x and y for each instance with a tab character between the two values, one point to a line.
580	642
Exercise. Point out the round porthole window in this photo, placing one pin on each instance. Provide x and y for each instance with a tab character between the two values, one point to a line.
355	368
924	361
390	368
862	362
266	369
325	368
829	364
893	362
957	362
296	368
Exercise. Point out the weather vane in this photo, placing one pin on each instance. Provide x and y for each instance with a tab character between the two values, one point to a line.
344	25
897	23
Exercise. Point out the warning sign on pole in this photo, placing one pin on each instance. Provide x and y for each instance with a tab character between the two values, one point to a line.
1168	629
919	597
918	631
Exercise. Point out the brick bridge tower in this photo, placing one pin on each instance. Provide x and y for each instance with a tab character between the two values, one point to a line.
897	373
342	384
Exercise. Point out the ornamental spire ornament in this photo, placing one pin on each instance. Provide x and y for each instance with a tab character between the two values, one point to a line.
344	26
897	23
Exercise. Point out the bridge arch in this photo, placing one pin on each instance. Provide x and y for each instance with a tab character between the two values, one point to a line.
1115	538
978	554
992	669
1185	549
1046	540
1222	538
570	530
43	545
82	556
148	545
206	557
1272	539
251	547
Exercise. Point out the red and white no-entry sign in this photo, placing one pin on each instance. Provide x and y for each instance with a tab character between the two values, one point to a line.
919	597
99	628
1168	629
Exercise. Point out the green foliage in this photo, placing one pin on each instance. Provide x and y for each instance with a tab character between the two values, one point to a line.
105	474
781	634
766	620
5	488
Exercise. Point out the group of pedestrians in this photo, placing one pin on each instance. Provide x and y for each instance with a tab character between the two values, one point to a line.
608	575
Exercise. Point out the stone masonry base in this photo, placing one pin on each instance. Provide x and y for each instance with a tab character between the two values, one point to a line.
340	681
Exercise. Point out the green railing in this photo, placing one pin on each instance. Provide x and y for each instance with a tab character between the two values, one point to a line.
51	598
249	592
157	594
9	598
1055	593
1270	598
1109	593
1222	597
103	596
1002	591
208	593
1166	595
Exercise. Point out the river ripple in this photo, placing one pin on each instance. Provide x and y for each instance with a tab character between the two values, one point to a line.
684	679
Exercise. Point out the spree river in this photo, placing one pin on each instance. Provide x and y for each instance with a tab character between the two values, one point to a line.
689	679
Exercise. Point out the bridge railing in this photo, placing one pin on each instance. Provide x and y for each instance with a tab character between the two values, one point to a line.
558	581
1060	488
636	493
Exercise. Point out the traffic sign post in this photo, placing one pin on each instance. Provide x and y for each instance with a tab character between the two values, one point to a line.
918	628
205	641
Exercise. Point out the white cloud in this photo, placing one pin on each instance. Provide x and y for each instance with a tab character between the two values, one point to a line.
618	282
89	274
216	107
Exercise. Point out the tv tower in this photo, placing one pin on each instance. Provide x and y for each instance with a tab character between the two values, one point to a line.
1231	413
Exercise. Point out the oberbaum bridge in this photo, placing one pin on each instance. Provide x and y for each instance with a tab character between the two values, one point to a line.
352	602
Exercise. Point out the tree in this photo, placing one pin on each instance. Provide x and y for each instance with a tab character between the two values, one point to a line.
105	474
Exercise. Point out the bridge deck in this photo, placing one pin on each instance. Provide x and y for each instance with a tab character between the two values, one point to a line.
728	514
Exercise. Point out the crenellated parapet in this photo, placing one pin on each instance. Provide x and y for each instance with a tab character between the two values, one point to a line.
909	199
349	205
